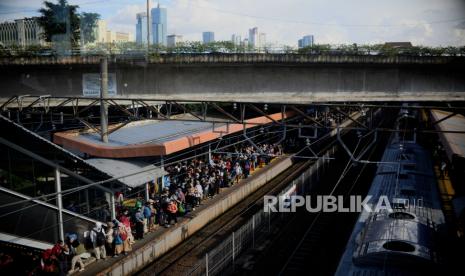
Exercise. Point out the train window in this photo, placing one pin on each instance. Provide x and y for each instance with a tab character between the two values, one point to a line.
399	246
401	215
410	167
403	176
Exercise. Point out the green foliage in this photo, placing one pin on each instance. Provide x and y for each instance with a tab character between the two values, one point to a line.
60	19
315	49
62	23
88	23
132	49
196	47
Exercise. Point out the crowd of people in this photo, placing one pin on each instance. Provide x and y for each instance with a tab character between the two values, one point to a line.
199	179
187	185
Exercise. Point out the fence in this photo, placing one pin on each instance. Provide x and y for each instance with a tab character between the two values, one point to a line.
256	229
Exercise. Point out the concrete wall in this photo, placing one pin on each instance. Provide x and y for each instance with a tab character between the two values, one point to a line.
262	79
154	249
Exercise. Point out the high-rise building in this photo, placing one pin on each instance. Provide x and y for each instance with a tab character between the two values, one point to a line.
305	41
208	37
22	32
236	39
141	28
253	37
173	39
101	31
159	25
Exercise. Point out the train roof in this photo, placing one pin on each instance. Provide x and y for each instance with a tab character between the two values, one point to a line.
385	243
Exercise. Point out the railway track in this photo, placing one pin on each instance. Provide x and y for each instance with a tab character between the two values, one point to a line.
311	243
185	256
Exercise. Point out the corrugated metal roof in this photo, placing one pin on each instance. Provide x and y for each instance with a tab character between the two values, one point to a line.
146	132
119	167
453	142
155	138
25	241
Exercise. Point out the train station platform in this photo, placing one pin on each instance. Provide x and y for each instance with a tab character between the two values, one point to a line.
453	139
159	242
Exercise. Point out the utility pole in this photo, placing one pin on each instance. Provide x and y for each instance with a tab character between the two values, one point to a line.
148	28
61	233
103	95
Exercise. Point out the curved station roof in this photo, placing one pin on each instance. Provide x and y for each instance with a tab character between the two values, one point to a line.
154	137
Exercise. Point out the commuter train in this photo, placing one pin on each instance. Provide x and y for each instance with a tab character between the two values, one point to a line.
405	239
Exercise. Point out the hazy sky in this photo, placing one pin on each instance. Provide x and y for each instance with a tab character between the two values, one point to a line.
425	22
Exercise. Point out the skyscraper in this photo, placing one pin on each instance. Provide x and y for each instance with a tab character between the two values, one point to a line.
159	25
101	31
236	39
141	28
208	37
305	41
253	37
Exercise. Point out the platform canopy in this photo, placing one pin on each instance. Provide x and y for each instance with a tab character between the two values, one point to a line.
9	238
120	167
148	138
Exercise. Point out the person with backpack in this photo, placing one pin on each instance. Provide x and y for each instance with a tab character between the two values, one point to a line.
172	209
98	239
61	252
147	212
246	168
124	220
139	220
119	238
237	172
110	237
75	249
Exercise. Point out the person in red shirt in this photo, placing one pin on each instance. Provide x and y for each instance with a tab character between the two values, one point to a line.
172	210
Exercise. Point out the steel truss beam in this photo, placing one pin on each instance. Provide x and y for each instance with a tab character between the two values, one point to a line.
152	105
457	105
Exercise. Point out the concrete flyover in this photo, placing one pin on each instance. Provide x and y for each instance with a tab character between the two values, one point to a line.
271	78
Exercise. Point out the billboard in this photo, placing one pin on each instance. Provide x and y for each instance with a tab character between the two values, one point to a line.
91	84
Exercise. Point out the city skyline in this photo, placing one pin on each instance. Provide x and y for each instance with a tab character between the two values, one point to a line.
431	23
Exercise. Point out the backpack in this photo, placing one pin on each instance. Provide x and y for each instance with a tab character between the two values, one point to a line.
118	240
123	235
88	241
100	238
181	209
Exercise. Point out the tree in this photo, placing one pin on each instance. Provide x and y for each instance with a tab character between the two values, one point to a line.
88	25
60	19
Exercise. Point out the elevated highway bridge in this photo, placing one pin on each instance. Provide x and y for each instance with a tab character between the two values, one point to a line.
258	78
